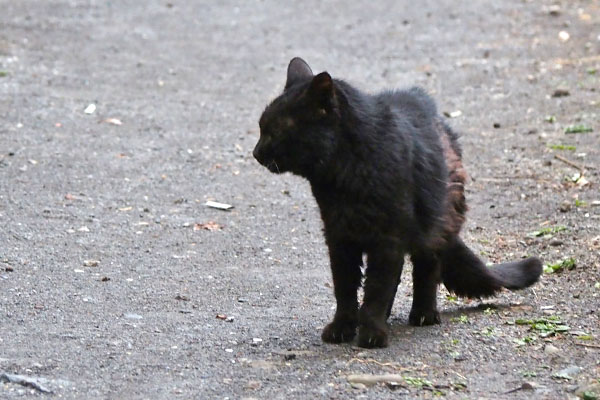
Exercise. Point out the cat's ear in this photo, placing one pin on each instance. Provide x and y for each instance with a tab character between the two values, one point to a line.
322	85
298	70
322	93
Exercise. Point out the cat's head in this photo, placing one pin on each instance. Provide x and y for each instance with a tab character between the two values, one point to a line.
297	130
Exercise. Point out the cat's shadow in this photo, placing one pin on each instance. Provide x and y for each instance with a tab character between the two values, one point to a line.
399	324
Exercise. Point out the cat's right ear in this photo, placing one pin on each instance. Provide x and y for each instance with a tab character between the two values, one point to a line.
298	71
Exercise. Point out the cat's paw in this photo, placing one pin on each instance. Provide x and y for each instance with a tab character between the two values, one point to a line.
420	317
339	331
371	336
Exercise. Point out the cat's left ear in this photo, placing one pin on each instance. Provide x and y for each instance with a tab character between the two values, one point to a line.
298	70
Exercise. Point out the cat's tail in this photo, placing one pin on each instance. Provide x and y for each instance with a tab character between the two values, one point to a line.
464	274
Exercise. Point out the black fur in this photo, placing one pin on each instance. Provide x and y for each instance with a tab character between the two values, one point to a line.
387	174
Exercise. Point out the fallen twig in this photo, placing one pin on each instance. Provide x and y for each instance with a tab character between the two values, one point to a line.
389	364
368	380
524	386
567	61
507	179
592	346
573	164
459	375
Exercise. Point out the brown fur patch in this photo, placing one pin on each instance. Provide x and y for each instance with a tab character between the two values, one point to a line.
456	206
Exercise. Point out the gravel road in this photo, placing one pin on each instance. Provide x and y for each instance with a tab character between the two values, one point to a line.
119	120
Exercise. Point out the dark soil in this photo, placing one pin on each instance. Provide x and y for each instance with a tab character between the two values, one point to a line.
113	282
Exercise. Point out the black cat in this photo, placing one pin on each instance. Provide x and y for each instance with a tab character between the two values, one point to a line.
387	174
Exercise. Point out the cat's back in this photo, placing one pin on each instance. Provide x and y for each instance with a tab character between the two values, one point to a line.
413	104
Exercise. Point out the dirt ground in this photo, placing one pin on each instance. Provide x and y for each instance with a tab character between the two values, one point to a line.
118	282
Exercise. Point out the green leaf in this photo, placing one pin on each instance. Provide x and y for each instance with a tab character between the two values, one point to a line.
566	264
530	339
562	328
589	396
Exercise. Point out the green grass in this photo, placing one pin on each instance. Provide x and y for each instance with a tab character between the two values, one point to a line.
452	299
417	382
548	231
578	129
562	147
463	319
489	311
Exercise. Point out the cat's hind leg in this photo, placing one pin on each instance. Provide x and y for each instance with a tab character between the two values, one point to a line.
384	267
426	277
346	260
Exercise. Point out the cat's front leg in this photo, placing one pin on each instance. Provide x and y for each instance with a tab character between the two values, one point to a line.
346	260
383	274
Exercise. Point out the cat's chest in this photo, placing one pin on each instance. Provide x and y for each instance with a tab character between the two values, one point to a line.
357	219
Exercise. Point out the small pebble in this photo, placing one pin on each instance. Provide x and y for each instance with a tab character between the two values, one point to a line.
90	109
550	349
132	316
359	386
565	206
554	10
561	92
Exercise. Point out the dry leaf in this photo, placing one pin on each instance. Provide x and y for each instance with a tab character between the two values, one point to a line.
209	226
113	121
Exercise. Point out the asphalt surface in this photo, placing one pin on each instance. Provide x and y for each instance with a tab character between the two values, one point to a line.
118	282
